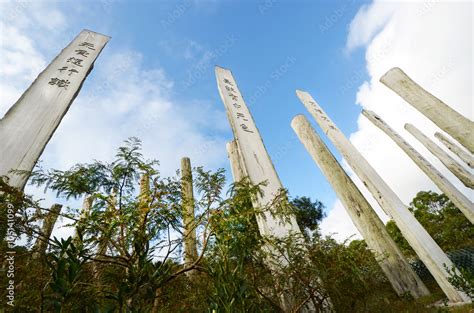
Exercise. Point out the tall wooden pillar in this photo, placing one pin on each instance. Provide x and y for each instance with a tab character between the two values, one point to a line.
388	255
449	120
31	122
459	200
85	212
259	168
189	222
255	158
426	248
49	221
464	176
466	157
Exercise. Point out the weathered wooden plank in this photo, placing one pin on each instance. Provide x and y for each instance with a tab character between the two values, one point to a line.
426	248
103	241
49	221
463	155
189	222
388	255
255	158
85	213
464	176
29	124
259	168
461	201
453	123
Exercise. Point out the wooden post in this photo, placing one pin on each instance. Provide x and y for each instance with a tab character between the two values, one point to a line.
388	255
189	223
459	200
259	168
238	171
49	221
425	247
144	199
464	176
29	124
453	123
85	211
103	241
466	157
255	158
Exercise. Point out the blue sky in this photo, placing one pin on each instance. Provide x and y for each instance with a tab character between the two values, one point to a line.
155	79
272	47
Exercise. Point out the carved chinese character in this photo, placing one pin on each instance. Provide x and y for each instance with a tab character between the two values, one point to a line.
236	105
227	82
242	116
82	52
246	128
230	89
75	61
63	83
72	71
233	97
87	45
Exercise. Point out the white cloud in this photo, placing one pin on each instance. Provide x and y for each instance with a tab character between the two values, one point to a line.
432	43
367	22
338	224
136	102
19	64
27	30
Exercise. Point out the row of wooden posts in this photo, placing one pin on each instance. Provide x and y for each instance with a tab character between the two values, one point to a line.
249	158
29	124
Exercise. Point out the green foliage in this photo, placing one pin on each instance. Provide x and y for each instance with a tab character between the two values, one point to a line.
233	253
14	207
119	175
66	263
126	253
308	213
462	280
120	234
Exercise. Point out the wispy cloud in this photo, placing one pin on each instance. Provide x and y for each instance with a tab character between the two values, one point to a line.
369	20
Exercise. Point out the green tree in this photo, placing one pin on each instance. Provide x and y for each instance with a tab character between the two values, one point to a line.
308	213
128	251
